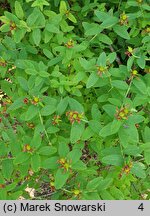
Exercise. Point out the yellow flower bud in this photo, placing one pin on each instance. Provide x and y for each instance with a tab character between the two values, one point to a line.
130	49
76	192
134	72
36	99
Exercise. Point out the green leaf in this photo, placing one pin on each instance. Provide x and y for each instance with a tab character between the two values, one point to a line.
138	170
87	134
132	150
63	149
63	7
7	168
102	16
130	63
146	134
11	17
39	3
121	31
141	62
75	105
62	106
36	18
47	150
136	119
140	85
105	39
35	162
18	10
36	140
31	71
105	195
115	159
61	178
78	166
95	126
111	57
76	131
50	163
91	28
115	126
36	35
31	113
19	35
105	183
48	53
109	22
123	136
23	83
3	194
110	110
52	129
102	59
52	28
44	74
147	157
117	193
92	80
21	158
74	155
106	19
72	18
133	133
16	105
110	129
119	84
96	114
93	184
48	110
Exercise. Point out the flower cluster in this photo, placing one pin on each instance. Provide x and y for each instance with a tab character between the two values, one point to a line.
65	164
129	51
3	63
101	70
56	120
123	19
25	101
74	116
27	148
31	125
12	26
52	186
52	183
2	186
69	44
126	169
35	100
123	113
12	68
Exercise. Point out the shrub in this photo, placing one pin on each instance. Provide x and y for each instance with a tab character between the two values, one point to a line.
75	108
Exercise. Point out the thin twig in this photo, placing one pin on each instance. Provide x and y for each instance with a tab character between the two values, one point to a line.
117	57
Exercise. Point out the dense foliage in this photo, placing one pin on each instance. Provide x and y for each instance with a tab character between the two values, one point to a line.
75	99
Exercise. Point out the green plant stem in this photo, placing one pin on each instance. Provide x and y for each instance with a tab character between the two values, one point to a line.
66	191
93	37
127	92
41	120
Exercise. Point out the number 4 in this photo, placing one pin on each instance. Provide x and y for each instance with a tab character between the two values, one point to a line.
141	207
